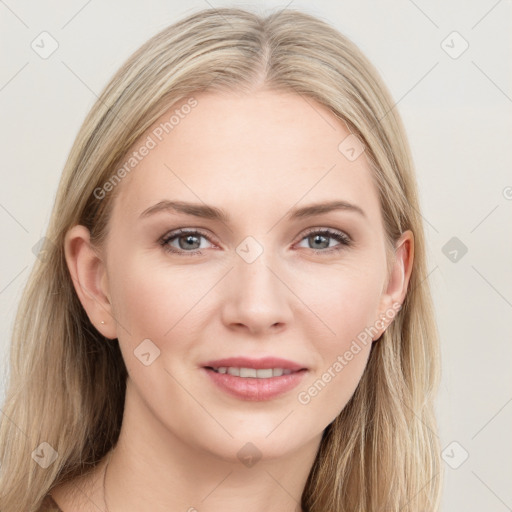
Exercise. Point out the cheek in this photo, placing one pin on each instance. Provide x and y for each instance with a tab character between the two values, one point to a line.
344	357
146	298
153	300
342	299
346	304
150	303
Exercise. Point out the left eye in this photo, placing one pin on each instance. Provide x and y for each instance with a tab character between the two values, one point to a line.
191	240
320	237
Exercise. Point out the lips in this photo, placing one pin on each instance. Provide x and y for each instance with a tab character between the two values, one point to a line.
248	379
258	364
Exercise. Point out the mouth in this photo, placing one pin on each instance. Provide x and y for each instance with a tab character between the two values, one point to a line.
255	380
247	364
252	373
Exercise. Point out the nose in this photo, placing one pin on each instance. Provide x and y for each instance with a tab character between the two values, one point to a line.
257	297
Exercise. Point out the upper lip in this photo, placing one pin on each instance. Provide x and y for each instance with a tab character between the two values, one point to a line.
263	363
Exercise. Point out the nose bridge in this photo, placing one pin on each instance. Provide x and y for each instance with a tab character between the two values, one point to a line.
256	296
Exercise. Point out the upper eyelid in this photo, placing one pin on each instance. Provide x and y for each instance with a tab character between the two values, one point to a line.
320	229
174	233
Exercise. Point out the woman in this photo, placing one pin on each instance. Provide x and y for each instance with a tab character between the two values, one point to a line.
232	308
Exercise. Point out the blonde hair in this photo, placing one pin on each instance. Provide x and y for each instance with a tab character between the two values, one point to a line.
67	382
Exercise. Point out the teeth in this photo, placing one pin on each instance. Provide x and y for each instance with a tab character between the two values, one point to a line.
263	373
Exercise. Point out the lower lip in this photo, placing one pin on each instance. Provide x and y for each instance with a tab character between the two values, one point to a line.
247	388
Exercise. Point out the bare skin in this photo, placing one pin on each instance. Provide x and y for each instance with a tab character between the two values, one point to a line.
305	298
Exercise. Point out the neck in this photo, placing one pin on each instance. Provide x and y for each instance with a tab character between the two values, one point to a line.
152	467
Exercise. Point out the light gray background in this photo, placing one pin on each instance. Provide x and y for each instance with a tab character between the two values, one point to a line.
457	112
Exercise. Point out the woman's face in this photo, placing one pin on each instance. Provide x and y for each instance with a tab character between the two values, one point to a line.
264	281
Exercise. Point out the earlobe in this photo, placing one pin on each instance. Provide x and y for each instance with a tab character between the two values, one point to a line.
398	282
88	274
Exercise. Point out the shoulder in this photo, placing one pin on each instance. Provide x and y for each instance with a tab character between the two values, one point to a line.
75	494
49	505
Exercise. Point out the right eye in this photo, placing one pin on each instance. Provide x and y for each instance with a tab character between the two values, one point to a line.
185	239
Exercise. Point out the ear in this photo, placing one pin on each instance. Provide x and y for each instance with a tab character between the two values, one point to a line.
89	276
396	288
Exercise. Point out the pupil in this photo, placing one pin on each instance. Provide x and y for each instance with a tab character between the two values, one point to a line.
316	237
189	240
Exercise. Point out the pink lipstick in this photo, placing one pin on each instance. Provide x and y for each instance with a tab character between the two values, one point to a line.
255	379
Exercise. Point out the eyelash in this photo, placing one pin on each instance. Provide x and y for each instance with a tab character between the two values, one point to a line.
345	240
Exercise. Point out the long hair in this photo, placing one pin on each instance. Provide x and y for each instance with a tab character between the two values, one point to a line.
66	387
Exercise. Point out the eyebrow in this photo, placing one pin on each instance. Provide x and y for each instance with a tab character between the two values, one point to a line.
213	213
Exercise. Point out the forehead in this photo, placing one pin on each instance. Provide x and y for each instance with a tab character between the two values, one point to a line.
256	154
